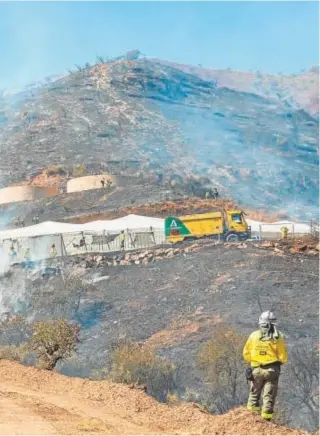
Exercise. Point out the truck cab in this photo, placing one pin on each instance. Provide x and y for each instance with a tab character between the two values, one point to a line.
236	226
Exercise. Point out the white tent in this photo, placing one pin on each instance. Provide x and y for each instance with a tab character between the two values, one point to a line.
132	222
45	228
301	228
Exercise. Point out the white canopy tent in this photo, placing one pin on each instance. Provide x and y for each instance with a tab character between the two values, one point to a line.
141	232
45	228
294	227
132	222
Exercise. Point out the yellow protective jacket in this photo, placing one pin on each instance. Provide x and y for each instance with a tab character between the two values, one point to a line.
257	352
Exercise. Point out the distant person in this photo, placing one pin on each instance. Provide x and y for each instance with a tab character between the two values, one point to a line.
265	351
12	254
35	220
122	240
82	242
102	183
284	232
207	195
215	193
53	251
27	255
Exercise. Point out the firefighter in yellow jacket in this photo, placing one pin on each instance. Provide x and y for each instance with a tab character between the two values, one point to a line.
284	232
265	351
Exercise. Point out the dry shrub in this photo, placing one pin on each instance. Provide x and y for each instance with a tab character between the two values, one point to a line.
53	342
54	170
14	330
301	379
221	361
79	170
138	364
173	398
91	425
13	352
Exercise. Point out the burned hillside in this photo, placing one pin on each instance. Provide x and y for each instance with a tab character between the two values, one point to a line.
175	304
164	121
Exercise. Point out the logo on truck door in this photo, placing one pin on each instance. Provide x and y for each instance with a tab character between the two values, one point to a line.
173	224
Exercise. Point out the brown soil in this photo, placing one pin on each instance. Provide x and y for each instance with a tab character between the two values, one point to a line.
177	208
33	401
161	209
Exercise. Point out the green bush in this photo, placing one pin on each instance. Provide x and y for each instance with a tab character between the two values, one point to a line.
138	364
53	342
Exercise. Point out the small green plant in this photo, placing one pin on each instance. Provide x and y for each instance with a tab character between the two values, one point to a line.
53	342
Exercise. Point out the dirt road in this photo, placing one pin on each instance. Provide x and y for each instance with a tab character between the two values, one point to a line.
40	402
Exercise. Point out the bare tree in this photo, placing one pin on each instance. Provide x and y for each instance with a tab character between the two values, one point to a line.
302	385
221	361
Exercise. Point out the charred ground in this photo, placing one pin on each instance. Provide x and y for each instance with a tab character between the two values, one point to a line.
175	304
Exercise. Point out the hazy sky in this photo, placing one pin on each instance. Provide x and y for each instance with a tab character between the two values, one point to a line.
42	38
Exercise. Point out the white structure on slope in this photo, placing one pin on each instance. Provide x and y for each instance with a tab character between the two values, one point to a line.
96	236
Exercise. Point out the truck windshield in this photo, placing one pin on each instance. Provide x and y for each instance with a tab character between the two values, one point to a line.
236	217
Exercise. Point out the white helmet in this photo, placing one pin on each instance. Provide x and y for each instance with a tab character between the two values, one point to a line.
267	318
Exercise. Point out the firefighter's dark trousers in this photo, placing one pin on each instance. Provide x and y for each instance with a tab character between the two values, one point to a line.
265	384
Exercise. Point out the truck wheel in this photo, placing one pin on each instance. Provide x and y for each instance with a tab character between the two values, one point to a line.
232	237
191	238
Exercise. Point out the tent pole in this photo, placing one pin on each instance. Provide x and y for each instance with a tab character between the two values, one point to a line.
63	247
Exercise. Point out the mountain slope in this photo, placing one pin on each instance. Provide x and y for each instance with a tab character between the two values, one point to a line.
161	120
300	91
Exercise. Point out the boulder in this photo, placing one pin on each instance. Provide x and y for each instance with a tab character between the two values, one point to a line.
99	259
277	250
312	252
267	244
124	262
302	247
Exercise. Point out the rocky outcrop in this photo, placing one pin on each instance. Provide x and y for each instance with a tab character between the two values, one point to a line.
308	246
141	257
